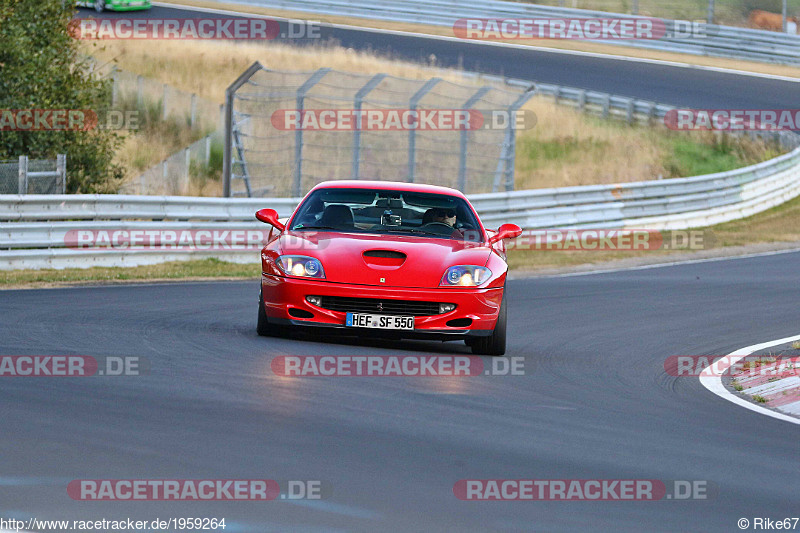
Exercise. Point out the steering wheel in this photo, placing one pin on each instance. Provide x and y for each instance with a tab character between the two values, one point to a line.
440	228
448	226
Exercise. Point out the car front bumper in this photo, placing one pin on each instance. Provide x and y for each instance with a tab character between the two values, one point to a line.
284	297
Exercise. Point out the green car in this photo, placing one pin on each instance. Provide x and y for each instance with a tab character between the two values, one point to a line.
115	5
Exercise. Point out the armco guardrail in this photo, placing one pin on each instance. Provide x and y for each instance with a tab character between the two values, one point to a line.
718	41
38	231
34	229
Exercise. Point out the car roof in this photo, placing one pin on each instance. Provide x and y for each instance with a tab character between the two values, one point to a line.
389	185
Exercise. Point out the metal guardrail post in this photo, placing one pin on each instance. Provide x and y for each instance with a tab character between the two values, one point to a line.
298	134
412	133
784	14
462	155
61	168
164	109
114	85
582	100
710	15
23	175
187	161
359	99
193	110
230	92
629	110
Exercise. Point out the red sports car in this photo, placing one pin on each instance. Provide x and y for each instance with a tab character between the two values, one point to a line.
397	259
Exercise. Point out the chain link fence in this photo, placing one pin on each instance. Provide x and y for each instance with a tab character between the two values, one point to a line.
33	176
273	149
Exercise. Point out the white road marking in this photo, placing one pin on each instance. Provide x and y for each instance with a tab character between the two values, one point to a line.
714	382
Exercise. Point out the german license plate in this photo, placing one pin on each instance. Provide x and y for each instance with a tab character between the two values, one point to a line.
362	320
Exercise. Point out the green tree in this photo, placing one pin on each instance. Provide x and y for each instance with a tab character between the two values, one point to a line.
41	68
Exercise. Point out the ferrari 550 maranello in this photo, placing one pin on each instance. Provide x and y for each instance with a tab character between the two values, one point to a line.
400	259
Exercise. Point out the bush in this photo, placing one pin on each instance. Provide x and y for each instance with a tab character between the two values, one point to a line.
40	68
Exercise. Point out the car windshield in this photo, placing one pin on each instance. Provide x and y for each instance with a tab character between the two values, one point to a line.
388	212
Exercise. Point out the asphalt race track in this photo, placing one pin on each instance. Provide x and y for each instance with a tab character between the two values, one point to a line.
695	88
595	403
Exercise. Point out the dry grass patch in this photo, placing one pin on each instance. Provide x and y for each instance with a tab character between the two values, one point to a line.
570	148
208	68
779	224
565	148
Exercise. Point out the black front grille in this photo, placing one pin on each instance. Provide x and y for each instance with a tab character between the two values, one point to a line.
379	306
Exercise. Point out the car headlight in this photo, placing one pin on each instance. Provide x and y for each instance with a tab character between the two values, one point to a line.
466	276
300	266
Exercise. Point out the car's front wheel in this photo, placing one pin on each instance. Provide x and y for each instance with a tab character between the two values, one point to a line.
99	5
494	344
263	327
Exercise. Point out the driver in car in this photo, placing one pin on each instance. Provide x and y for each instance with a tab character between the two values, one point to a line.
445	216
448	218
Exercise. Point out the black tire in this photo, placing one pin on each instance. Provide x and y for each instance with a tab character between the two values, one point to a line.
263	327
99	5
494	344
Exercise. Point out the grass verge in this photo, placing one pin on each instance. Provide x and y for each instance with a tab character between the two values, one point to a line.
177	270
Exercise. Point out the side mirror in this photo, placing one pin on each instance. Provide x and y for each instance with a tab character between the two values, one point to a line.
506	231
270	216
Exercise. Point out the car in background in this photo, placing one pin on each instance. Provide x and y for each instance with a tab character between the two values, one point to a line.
393	259
115	5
